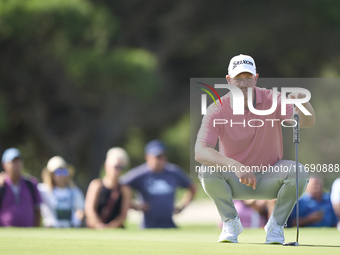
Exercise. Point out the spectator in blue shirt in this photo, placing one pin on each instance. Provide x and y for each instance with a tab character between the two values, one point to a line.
315	207
156	181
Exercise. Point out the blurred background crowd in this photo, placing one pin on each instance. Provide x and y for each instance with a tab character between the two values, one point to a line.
78	77
58	202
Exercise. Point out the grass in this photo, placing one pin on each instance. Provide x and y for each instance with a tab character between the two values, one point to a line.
187	240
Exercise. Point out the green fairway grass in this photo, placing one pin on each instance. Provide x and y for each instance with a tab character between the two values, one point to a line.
191	240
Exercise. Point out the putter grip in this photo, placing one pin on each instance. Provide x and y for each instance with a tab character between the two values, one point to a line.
296	129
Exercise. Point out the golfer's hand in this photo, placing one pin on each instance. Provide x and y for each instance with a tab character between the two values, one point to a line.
296	95
246	177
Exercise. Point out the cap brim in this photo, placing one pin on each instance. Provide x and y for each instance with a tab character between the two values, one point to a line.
11	158
156	152
241	70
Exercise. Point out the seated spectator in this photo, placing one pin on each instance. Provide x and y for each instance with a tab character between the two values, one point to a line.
315	207
335	198
19	196
107	202
252	213
63	202
156	181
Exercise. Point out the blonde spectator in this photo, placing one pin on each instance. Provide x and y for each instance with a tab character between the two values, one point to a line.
63	201
107	202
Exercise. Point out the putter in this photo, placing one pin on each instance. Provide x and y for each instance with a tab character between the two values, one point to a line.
296	140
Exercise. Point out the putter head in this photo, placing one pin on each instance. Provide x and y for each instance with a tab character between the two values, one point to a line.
291	244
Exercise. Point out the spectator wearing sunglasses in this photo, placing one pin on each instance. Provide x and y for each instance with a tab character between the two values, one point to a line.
63	201
107	202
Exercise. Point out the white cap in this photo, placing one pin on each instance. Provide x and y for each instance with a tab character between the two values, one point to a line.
10	154
55	163
241	63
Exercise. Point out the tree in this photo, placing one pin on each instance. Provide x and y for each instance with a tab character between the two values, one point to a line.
66	88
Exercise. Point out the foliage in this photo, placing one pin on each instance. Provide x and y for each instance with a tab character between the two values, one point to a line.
78	76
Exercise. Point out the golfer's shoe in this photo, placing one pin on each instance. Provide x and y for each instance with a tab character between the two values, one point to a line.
274	232
230	231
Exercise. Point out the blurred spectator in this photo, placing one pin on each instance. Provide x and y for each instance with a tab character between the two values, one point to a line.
19	196
63	202
252	213
107	202
335	198
315	207
156	181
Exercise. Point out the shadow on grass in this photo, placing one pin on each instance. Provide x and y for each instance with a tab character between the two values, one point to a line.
320	245
303	245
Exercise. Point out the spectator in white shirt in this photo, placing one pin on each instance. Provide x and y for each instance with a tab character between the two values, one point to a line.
63	201
335	198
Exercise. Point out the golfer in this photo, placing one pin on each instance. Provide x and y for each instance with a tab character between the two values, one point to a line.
243	147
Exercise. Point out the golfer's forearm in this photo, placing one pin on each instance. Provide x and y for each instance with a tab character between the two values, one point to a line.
307	120
211	157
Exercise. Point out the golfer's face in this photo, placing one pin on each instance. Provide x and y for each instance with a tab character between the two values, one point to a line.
244	81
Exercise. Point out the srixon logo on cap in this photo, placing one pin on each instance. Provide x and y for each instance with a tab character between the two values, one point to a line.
241	62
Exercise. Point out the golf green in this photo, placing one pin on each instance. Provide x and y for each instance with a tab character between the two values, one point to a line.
193	240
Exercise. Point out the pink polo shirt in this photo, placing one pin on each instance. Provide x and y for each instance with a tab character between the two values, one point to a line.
251	146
